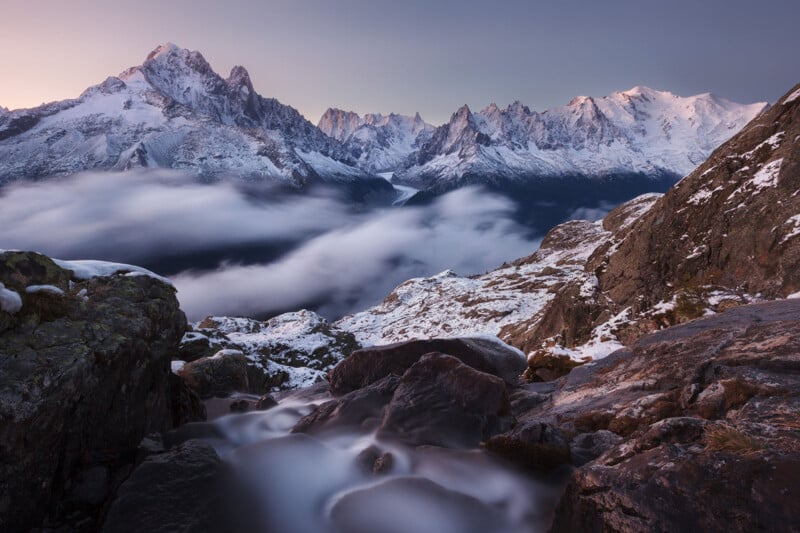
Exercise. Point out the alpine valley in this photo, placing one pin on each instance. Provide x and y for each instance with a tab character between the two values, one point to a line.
635	372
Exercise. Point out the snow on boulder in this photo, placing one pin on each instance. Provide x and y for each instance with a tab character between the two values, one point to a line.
10	301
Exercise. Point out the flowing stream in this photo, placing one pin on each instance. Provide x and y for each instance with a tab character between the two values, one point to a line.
326	483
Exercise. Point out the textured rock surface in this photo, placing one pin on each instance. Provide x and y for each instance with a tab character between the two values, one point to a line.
368	365
177	490
732	222
218	375
84	375
450	398
444	402
708	415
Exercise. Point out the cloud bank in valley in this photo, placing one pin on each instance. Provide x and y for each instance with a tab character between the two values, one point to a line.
341	259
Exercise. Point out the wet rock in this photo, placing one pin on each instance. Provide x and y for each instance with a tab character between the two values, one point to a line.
185	403
83	379
265	402
711	416
534	445
371	364
220	375
239	406
587	446
363	408
375	461
178	490
442	401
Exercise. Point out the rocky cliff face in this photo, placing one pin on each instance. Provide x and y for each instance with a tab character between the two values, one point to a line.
84	375
732	222
727	234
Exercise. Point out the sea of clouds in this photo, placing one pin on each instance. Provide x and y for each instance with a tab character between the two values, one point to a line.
335	258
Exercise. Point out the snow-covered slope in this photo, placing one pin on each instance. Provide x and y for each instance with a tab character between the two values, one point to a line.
641	131
172	111
379	143
289	351
504	302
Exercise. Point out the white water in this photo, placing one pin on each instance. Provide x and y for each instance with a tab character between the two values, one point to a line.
316	484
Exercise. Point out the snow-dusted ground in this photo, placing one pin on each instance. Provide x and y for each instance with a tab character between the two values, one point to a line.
448	305
297	349
500	301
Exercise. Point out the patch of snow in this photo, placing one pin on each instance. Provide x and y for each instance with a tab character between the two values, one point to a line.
10	301
89	268
702	195
301	345
792	97
767	176
177	365
51	289
794	231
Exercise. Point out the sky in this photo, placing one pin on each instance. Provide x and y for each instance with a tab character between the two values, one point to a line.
405	56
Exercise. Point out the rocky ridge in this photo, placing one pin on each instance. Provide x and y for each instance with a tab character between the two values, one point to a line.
84	376
379	143
641	131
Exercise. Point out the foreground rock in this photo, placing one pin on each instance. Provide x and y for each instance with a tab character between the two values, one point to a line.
442	401
368	365
708	415
444	392
177	490
84	375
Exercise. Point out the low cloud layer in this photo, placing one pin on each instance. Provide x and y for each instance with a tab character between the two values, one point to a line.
341	261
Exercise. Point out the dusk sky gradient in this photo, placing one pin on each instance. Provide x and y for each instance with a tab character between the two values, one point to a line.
413	55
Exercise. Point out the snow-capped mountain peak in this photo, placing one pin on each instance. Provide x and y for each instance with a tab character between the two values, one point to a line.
174	111
638	131
380	142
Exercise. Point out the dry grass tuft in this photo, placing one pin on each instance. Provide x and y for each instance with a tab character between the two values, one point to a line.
723	438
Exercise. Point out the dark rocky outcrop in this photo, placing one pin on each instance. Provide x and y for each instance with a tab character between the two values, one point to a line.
84	375
362	408
368	365
176	490
442	401
221	374
431	398
705	418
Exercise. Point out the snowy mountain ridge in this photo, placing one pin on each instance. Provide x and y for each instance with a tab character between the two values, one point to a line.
173	111
380	143
641	130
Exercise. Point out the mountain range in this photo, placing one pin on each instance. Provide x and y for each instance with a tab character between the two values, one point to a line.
174	111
